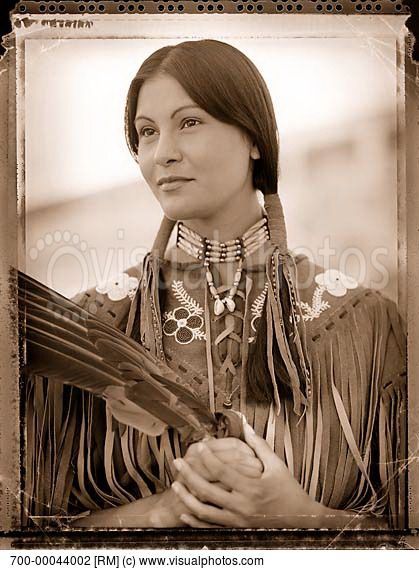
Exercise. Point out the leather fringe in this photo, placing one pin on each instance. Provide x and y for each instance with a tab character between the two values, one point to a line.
285	328
331	452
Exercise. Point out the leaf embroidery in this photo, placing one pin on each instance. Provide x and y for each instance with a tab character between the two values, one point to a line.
184	322
257	309
183	297
318	305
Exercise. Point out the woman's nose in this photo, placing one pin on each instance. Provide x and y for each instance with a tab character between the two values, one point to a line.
167	150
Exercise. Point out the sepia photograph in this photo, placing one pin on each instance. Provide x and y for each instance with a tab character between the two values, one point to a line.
210	236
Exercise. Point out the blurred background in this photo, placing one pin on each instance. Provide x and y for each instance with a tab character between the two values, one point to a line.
89	214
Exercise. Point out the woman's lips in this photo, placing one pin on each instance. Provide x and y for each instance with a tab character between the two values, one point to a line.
173	184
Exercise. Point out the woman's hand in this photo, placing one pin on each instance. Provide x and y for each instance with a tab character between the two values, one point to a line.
158	510
164	509
275	499
228	451
167	510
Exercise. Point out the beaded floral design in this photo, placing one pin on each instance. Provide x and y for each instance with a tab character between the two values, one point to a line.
119	288
256	310
185	322
334	283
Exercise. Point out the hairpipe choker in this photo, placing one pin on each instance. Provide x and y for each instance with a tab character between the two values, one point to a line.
212	251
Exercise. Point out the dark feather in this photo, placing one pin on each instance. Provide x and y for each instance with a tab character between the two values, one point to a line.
66	343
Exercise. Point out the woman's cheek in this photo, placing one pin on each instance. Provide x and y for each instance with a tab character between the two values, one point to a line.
149	181
145	160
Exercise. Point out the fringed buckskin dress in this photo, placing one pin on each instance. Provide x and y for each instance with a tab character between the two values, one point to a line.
346	447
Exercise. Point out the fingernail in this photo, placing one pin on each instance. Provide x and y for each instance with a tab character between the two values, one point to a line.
250	429
178	464
175	487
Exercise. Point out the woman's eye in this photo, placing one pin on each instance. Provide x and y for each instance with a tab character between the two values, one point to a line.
147	132
190	122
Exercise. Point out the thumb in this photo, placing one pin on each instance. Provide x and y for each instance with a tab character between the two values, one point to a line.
259	446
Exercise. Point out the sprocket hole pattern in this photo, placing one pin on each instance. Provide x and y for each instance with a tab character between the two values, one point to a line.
214	6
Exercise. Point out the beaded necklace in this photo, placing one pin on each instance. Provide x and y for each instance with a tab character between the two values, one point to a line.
212	251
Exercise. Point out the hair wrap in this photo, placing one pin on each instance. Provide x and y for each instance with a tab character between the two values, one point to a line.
286	329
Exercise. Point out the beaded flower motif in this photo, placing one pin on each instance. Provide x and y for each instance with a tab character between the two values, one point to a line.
184	322
334	283
119	288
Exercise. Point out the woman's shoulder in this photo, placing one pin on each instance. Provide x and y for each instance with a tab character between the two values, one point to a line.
344	318
329	297
111	300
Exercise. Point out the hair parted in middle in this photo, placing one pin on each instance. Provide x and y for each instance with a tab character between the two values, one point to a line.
225	83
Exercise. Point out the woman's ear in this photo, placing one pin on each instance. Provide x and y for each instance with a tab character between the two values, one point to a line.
254	152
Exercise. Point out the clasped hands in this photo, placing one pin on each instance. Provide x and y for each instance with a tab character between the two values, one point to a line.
230	483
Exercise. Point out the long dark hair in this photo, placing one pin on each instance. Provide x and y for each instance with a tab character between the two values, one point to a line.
224	82
227	85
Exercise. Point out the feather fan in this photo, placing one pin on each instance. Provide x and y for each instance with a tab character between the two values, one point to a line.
70	346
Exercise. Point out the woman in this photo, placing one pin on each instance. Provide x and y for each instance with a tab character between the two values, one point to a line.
318	370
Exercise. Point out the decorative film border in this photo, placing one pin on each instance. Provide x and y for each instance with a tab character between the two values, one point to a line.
356	7
214	7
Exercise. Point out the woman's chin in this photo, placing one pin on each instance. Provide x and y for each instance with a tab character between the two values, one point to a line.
180	211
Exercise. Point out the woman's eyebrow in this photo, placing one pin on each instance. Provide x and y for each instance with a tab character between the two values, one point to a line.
188	106
183	107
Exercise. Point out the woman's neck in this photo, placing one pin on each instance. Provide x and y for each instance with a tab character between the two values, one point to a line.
231	223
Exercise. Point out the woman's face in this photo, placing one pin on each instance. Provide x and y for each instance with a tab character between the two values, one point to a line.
197	167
